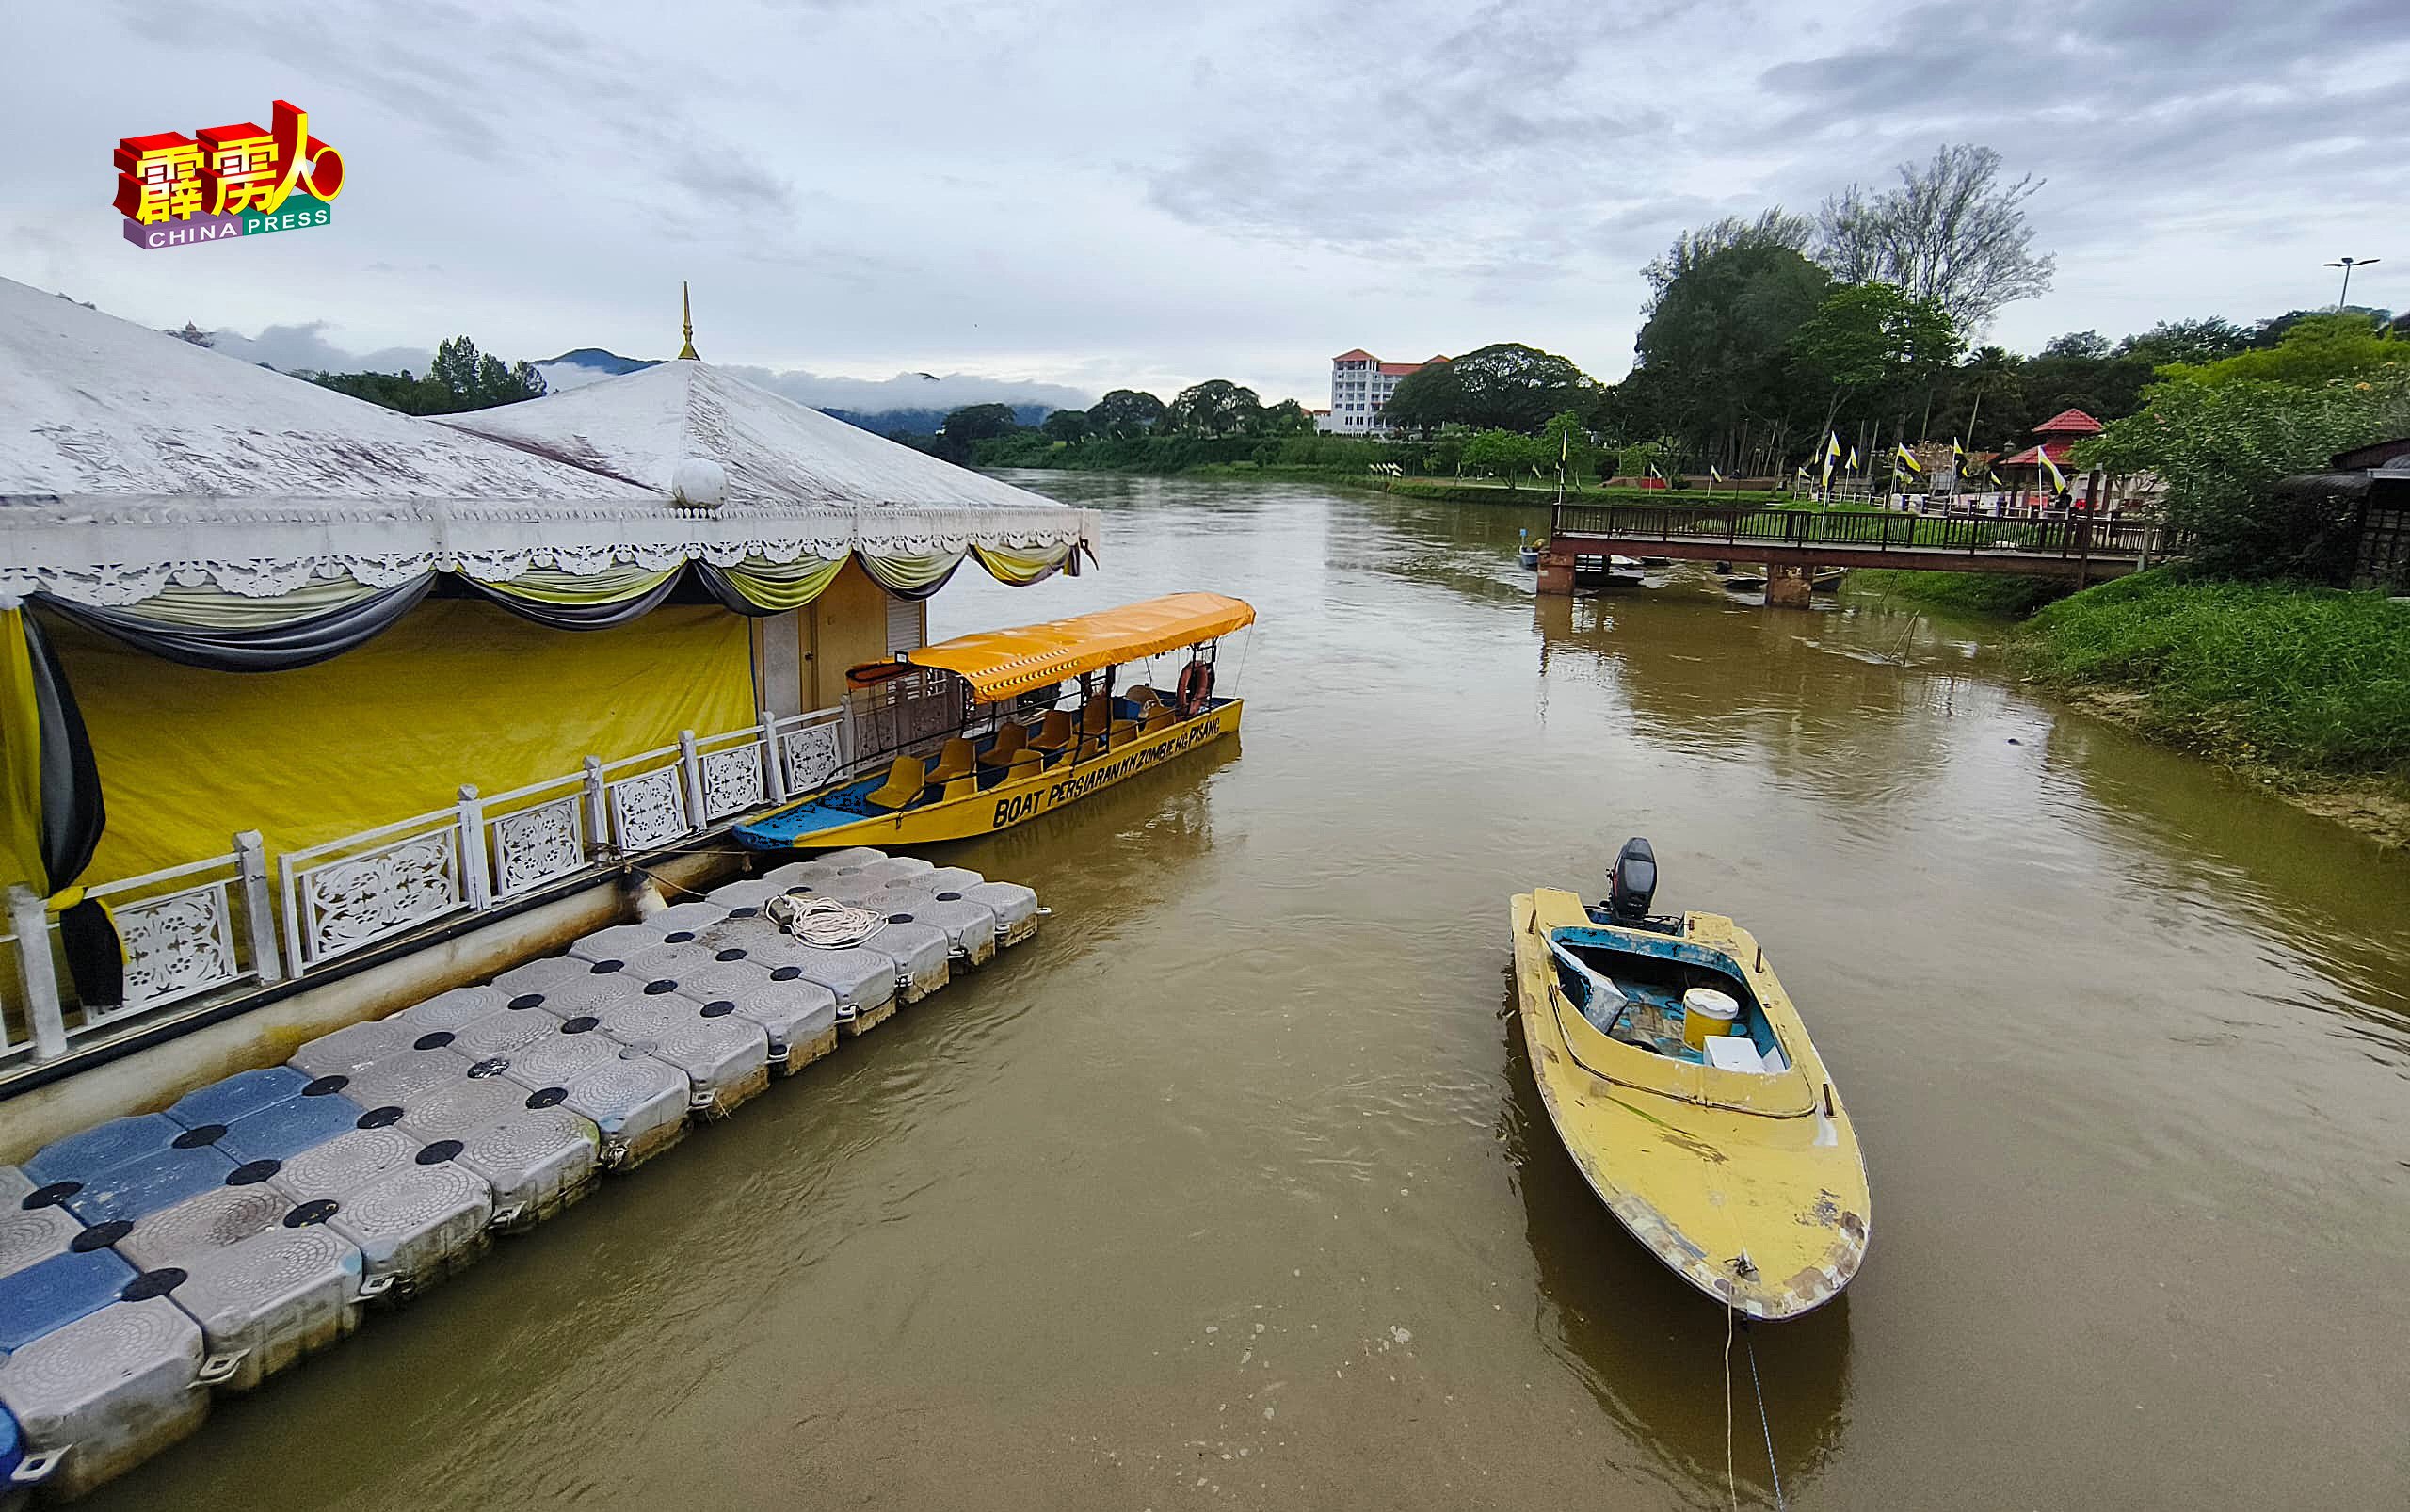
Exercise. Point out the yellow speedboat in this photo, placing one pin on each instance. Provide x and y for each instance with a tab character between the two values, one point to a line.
1684	1084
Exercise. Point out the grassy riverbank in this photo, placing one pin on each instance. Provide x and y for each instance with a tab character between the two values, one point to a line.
1967	592
2306	687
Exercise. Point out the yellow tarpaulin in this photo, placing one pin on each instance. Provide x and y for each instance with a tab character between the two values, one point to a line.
999	663
456	692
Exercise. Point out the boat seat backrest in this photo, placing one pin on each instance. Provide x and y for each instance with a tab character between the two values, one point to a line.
954	760
1093	717
905	780
1055	734
1011	738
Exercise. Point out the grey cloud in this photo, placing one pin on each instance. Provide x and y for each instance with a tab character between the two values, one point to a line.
305	348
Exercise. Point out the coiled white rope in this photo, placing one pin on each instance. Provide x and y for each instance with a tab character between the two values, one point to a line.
825	922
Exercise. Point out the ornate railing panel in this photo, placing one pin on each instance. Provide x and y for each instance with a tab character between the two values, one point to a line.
647	810
812	756
537	844
340	906
733	781
177	944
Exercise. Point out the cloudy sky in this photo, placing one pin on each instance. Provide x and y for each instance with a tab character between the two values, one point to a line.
1086	195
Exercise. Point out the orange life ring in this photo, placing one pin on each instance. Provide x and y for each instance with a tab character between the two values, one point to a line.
1196	687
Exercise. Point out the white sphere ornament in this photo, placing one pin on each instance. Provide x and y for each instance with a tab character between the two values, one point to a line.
699	483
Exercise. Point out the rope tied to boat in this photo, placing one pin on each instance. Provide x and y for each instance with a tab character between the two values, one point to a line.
1731	1478
1763	1422
824	923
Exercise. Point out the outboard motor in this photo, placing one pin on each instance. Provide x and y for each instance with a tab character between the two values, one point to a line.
1632	884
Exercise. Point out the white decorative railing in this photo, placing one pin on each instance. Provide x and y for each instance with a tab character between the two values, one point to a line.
206	926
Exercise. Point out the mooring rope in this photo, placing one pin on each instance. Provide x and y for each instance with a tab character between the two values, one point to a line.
1763	1422
1731	1481
825	922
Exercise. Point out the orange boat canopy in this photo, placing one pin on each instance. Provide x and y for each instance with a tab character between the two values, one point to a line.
1001	663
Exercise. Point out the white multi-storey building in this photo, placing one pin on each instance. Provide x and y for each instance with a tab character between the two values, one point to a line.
1360	386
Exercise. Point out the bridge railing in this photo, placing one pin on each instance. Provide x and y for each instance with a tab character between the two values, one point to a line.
2058	535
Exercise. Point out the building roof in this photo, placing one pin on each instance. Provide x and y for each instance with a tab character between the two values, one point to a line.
1401	369
1349	357
2067	423
2375	455
130	460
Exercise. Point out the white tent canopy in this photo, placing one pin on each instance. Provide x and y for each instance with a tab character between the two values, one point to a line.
131	462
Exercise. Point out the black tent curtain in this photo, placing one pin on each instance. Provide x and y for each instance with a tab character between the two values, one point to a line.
73	816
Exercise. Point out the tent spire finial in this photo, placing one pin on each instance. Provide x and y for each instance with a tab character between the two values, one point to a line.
686	303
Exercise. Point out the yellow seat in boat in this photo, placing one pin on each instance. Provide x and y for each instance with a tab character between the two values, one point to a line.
1095	717
1161	718
955	760
1057	732
1010	741
1124	729
1145	697
1027	761
962	787
905	780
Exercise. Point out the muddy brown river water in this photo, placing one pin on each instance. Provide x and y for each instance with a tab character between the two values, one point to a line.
1233	1188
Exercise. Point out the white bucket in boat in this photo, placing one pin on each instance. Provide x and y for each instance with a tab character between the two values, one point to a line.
1707	1013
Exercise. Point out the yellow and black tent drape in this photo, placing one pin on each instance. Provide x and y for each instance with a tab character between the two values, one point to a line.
227	633
51	813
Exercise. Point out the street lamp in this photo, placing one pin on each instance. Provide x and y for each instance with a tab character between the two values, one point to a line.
2347	265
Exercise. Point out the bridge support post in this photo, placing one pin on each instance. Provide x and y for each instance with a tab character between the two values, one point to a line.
1557	572
1790	587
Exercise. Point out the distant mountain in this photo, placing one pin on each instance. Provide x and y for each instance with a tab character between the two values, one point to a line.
575	369
922	421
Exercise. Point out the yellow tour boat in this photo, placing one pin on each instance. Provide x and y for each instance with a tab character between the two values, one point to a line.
994	729
1684	1084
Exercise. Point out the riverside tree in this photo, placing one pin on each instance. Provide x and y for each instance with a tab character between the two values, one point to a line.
1216	407
1953	232
1507	386
1126	413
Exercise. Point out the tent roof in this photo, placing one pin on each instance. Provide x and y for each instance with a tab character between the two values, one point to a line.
91	404
130	460
640	425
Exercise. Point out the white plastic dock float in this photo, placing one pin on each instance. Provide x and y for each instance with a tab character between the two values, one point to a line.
151	1259
418	1224
272	1299
107	1390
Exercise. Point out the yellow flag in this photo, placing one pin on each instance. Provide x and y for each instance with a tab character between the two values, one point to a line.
1906	459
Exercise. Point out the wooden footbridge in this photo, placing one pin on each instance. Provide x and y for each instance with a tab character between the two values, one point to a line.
1793	543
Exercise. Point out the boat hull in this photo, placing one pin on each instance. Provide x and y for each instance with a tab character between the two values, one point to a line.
1752	1190
802	826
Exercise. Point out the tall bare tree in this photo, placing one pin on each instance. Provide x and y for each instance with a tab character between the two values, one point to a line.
1953	232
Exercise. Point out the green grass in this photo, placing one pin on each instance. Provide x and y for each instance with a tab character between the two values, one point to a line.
2302	679
1968	592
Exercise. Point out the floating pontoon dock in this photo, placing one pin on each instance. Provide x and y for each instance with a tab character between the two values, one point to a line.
152	1261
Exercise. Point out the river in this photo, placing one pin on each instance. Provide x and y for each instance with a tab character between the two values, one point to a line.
1233	1188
